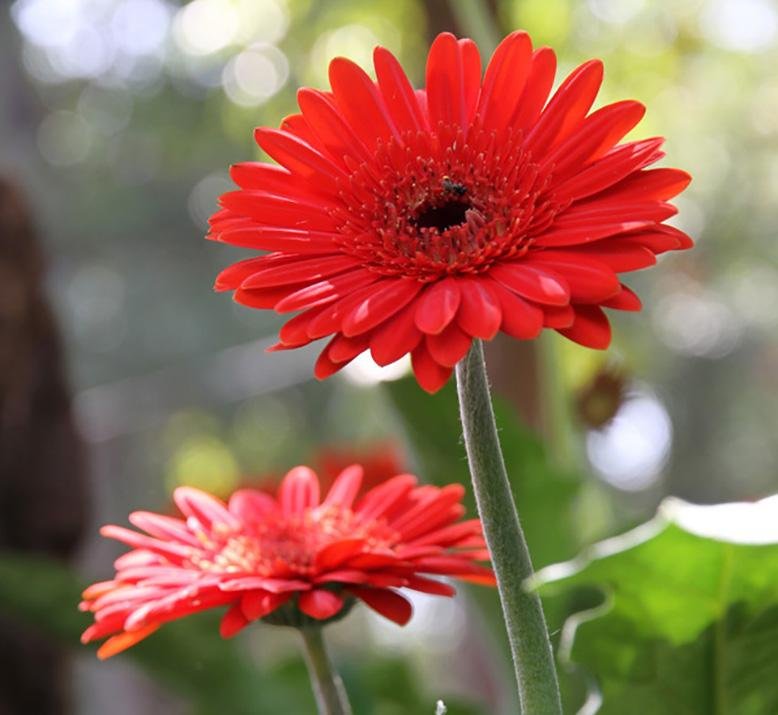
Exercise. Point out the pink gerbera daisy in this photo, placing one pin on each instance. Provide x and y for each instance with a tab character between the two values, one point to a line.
291	559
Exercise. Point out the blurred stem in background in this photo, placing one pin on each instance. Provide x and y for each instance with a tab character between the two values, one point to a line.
527	632
327	685
478	19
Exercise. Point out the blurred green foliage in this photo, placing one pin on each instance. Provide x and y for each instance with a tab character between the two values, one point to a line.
545	493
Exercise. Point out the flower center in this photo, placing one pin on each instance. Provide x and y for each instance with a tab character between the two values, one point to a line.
288	543
436	203
442	218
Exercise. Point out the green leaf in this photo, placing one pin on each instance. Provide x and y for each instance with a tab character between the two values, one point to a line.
689	623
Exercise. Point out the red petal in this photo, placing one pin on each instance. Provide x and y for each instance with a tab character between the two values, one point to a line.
359	101
293	333
430	375
325	291
231	278
397	91
337	553
232	622
342	349
274	179
331	129
251	505
578	234
529	282
602	208
258	604
320	603
342	576
121	642
625	300
297	156
388	603
379	500
325	367
171	550
590	281
396	337
657	239
274	238
163	527
426	514
505	80
380	305
330	320
657	184
567	107
261	583
619	255
428	585
536	90
266	298
437	306
520	319
558	317
596	135
305	269
204	507
609	170
479	311
296	124
453	79
590	329
450	346
345	487
299	491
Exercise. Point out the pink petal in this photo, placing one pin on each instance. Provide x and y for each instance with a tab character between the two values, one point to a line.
345	487
299	491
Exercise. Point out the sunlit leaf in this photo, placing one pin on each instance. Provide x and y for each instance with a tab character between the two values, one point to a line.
689	620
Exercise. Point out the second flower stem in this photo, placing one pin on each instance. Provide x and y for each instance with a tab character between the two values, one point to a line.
527	632
328	688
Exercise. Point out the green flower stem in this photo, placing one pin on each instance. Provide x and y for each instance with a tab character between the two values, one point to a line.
331	697
527	632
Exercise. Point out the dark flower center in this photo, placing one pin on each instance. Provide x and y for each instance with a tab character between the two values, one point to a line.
443	217
430	205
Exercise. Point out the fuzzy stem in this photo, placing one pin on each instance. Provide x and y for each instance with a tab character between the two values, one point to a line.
527	632
331	698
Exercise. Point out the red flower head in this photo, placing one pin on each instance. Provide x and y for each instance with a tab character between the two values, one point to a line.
412	221
291	560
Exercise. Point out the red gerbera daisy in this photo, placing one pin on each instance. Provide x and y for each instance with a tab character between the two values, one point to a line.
291	560
413	221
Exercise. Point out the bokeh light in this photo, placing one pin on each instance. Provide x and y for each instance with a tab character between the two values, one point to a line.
631	450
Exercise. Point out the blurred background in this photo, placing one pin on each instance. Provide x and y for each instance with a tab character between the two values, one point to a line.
123	375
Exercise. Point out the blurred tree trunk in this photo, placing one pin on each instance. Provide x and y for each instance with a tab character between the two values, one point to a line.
42	481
